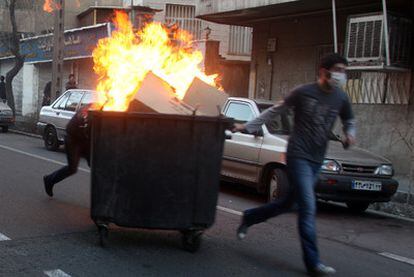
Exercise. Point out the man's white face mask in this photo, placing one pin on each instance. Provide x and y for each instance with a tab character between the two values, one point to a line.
337	79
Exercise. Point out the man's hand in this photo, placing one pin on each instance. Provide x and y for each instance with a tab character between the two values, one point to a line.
348	141
237	127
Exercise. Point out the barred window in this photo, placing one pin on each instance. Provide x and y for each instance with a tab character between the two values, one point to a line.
240	41
372	87
184	17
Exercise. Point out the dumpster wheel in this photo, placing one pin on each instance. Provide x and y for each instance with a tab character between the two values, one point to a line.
191	240
103	234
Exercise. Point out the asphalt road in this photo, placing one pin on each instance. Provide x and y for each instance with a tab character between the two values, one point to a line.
40	236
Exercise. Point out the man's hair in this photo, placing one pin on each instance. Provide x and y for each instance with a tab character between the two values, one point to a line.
328	61
72	75
2	77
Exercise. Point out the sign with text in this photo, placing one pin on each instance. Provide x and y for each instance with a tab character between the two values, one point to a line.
79	43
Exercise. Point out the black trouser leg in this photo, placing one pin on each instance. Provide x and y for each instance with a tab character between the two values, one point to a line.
73	155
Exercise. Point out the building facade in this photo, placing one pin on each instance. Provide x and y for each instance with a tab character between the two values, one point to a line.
36	26
290	36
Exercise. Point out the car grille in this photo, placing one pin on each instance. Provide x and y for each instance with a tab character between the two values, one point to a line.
358	169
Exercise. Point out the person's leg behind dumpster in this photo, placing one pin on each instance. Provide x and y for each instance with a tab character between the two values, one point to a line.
272	209
73	155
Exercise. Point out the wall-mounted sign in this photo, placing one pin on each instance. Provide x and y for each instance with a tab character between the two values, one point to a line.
271	44
79	43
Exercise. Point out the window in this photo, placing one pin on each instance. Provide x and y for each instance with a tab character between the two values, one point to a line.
87	99
371	87
240	112
184	17
282	123
73	101
240	41
61	104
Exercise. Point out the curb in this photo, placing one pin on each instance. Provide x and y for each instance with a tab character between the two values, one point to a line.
25	133
403	197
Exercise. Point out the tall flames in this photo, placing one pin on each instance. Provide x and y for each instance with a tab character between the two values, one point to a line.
123	60
50	5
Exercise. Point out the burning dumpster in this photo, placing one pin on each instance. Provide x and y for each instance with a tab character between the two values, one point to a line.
156	171
156	154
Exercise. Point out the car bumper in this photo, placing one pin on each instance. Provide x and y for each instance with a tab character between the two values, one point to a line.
6	121
339	188
40	127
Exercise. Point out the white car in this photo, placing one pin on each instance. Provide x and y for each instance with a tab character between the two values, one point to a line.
54	118
6	116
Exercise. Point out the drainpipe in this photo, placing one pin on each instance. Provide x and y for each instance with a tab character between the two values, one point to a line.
387	43
335	31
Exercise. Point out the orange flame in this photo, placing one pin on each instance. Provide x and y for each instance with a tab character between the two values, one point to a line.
123	60
50	5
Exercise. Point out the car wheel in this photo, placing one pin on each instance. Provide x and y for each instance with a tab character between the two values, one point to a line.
357	207
277	184
50	139
5	129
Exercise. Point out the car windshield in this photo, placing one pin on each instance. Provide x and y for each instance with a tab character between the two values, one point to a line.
282	124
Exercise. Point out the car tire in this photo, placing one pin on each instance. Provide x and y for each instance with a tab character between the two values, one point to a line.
277	184
357	207
5	129
50	139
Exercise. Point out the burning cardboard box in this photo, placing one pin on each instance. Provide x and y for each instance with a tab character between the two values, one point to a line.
205	98
157	95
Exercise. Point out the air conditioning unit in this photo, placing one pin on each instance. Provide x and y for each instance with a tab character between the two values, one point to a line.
365	42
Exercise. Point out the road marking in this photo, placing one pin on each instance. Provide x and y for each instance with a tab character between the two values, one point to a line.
56	273
397	258
224	209
39	157
4	237
230	211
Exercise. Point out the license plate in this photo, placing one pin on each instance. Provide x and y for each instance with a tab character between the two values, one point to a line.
366	185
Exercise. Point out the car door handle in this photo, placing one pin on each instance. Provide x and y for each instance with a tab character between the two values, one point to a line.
57	113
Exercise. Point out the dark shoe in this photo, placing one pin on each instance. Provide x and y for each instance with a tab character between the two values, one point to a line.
48	186
242	230
322	270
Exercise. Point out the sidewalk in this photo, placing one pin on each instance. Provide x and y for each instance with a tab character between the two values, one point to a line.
404	190
402	203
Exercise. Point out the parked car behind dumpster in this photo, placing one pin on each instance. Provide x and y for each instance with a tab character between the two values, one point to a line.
54	118
355	176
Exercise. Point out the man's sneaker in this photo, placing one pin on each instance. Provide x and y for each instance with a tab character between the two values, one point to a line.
322	270
48	186
242	230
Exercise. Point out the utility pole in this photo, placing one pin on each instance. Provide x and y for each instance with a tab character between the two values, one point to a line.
132	14
58	50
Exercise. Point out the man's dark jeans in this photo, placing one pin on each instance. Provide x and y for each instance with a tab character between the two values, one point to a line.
303	175
75	149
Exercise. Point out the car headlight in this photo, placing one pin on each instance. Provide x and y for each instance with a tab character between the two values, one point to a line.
384	170
330	166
